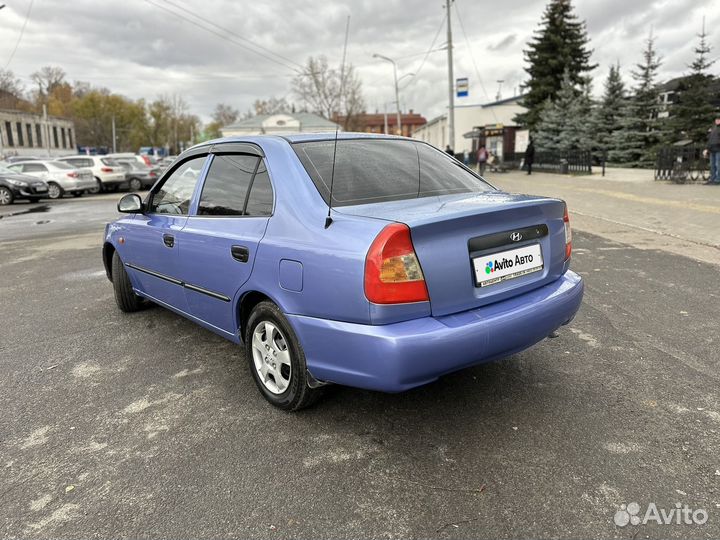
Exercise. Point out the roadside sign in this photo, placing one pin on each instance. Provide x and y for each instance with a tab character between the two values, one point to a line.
462	86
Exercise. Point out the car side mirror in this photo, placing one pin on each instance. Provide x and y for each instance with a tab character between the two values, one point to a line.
130	204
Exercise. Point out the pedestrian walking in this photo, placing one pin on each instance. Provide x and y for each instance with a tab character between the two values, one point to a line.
713	152
449	151
466	157
482	158
530	155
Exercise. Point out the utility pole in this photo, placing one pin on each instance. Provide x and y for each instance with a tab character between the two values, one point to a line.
113	135
451	81
385	116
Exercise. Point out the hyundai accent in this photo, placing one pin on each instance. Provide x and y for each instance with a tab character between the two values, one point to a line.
369	261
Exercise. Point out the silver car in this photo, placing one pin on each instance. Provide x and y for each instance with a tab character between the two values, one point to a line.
61	178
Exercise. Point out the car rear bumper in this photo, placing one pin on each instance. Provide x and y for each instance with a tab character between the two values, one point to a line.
113	179
400	356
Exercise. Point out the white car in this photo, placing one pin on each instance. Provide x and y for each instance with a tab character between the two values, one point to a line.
142	160
60	177
108	175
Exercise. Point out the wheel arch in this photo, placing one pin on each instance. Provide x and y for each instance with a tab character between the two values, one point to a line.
246	304
108	251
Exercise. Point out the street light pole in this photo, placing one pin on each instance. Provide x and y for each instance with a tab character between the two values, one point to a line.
397	91
451	89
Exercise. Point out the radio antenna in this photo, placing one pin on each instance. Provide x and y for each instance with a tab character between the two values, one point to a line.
328	219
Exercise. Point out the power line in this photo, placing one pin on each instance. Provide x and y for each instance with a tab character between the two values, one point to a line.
22	33
222	36
427	53
235	35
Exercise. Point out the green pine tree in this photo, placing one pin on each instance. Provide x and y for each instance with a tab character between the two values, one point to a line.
693	113
561	43
566	123
640	133
607	114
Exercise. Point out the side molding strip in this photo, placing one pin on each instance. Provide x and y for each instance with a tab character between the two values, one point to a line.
174	281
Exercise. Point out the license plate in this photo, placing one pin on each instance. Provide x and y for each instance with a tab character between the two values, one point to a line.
504	265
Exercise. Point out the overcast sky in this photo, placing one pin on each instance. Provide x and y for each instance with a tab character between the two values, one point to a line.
139	49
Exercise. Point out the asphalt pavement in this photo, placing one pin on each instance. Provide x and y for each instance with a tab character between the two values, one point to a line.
146	425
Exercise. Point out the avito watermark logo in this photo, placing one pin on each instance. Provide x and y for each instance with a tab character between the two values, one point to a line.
631	514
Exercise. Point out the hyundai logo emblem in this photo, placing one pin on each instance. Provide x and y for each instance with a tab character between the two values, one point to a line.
515	236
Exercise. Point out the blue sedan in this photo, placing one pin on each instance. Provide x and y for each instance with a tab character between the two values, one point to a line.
369	261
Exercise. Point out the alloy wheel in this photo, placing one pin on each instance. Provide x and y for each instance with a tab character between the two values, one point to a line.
54	191
271	357
135	184
96	189
5	196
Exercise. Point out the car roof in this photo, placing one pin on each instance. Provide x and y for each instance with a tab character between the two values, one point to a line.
300	137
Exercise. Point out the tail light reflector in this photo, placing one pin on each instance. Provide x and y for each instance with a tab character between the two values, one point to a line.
392	270
568	234
106	169
73	174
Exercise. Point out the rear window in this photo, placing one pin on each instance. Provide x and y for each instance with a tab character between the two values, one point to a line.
379	170
59	165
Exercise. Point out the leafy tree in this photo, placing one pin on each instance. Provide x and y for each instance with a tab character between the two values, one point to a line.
636	142
566	123
560	44
329	91
47	79
607	114
693	113
11	84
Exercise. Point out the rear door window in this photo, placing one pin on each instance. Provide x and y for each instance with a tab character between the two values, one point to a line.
226	185
379	170
34	167
176	192
260	201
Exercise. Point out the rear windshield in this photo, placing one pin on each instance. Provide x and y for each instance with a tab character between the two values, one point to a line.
58	165
379	170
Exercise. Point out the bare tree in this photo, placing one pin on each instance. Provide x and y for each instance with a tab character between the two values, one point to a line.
48	78
10	83
328	91
272	106
225	115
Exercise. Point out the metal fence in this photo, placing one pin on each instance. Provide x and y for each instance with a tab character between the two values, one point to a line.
681	164
572	162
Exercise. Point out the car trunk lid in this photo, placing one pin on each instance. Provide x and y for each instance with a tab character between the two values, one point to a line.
456	236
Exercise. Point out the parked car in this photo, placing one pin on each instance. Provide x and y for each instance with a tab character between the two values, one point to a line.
165	162
141	159
139	176
15	159
370	261
14	186
61	177
108	177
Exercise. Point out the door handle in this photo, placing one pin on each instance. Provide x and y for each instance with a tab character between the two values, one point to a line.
169	240
240	253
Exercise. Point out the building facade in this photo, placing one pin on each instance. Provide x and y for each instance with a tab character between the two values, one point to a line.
27	134
280	124
385	122
491	124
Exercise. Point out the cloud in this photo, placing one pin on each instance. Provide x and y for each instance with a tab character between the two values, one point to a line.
503	43
142	48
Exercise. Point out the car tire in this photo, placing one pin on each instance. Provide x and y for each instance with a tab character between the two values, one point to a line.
135	184
265	354
6	196
97	189
125	297
55	191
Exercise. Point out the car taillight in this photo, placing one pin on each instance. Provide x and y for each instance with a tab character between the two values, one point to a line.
392	270
72	174
153	174
106	169
146	160
568	234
